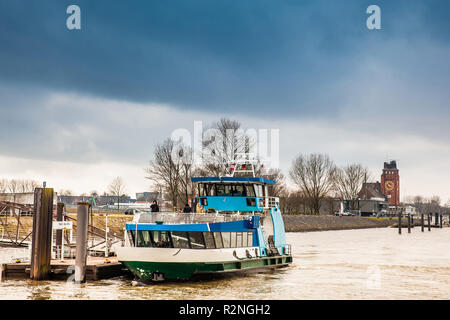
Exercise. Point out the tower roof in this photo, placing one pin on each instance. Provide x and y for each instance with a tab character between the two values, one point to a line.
390	165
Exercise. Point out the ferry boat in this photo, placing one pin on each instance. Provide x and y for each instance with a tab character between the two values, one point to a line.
239	227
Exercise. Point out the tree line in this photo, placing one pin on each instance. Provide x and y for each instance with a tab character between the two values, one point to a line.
18	185
315	176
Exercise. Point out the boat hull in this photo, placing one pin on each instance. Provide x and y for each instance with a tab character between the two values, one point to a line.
146	270
170	263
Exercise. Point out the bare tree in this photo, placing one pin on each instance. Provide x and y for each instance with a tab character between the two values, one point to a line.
27	185
13	186
186	172
165	168
313	175
117	188
277	175
348	181
3	185
225	144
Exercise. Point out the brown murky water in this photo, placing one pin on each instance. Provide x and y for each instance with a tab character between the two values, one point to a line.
350	264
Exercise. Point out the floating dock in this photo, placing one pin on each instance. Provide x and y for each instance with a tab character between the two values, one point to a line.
96	269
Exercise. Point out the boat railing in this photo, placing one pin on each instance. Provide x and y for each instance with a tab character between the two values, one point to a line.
189	218
288	249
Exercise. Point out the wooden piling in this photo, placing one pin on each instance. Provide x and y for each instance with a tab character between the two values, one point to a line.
440	222
81	249
399	223
409	223
42	234
422	222
59	217
429	221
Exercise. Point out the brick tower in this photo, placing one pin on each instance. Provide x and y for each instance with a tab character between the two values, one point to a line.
390	183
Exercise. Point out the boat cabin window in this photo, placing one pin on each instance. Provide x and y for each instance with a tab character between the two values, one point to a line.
201	190
226	237
209	240
206	189
238	190
146	238
223	190
226	190
259	190
191	239
218	240
160	239
249	190
196	240
180	239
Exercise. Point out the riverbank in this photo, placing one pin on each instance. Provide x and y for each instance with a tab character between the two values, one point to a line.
323	223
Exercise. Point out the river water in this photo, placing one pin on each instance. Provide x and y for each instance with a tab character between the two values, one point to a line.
348	264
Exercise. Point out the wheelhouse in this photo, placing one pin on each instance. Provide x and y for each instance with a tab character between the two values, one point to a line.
243	194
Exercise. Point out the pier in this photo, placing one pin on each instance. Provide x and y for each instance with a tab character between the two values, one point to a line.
97	268
46	229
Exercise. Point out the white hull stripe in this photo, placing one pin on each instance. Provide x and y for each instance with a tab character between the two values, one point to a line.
184	255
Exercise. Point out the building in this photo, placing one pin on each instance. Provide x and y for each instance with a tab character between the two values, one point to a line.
390	183
147	196
371	201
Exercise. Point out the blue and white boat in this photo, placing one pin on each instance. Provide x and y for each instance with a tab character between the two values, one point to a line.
239	227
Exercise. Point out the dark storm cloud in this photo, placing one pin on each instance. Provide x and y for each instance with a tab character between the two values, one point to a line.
287	60
243	55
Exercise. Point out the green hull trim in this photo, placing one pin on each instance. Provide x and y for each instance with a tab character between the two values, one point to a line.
185	270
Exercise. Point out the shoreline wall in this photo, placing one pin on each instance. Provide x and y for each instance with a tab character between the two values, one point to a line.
293	223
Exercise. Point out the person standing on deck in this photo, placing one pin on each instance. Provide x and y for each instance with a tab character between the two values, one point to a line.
187	209
154	206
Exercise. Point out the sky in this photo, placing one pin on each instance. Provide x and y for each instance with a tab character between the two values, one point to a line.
79	107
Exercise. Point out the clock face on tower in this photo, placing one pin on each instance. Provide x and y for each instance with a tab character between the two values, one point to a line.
389	185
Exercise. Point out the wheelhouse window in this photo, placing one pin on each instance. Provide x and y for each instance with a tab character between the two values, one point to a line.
201	190
238	190
206	189
223	190
249	190
211	190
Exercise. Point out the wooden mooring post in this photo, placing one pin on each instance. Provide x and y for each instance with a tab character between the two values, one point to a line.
400	222
59	217
422	222
440	222
409	223
82	237
429	221
42	234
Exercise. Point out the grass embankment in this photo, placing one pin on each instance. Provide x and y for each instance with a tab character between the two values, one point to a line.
301	223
